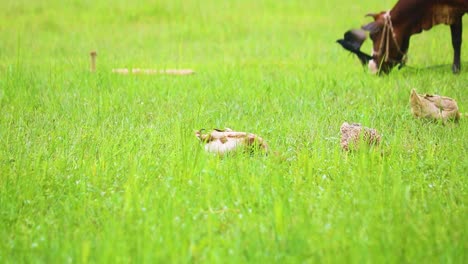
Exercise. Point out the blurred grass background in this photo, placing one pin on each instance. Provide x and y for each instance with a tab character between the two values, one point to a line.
105	168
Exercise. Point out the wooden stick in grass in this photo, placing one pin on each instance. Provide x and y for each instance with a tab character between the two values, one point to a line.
153	71
93	55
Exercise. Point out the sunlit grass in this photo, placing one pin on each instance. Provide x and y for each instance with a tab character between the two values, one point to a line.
98	167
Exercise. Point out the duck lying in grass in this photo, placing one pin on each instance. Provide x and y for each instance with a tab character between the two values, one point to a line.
222	141
353	134
434	107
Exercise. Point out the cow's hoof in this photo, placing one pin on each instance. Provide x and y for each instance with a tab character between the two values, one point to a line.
455	69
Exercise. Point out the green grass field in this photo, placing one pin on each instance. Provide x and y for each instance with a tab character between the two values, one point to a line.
105	168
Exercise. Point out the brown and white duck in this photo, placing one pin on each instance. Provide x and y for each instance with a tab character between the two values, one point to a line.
222	141
434	107
353	134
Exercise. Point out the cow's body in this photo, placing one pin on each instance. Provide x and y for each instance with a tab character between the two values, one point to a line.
391	31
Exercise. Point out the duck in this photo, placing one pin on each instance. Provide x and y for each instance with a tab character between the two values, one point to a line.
351	134
434	107
223	141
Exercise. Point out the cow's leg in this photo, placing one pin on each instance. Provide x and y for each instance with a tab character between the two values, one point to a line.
456	30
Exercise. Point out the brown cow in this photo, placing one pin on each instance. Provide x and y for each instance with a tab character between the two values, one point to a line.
391	31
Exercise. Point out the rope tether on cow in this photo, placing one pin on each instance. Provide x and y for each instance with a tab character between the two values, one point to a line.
390	33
